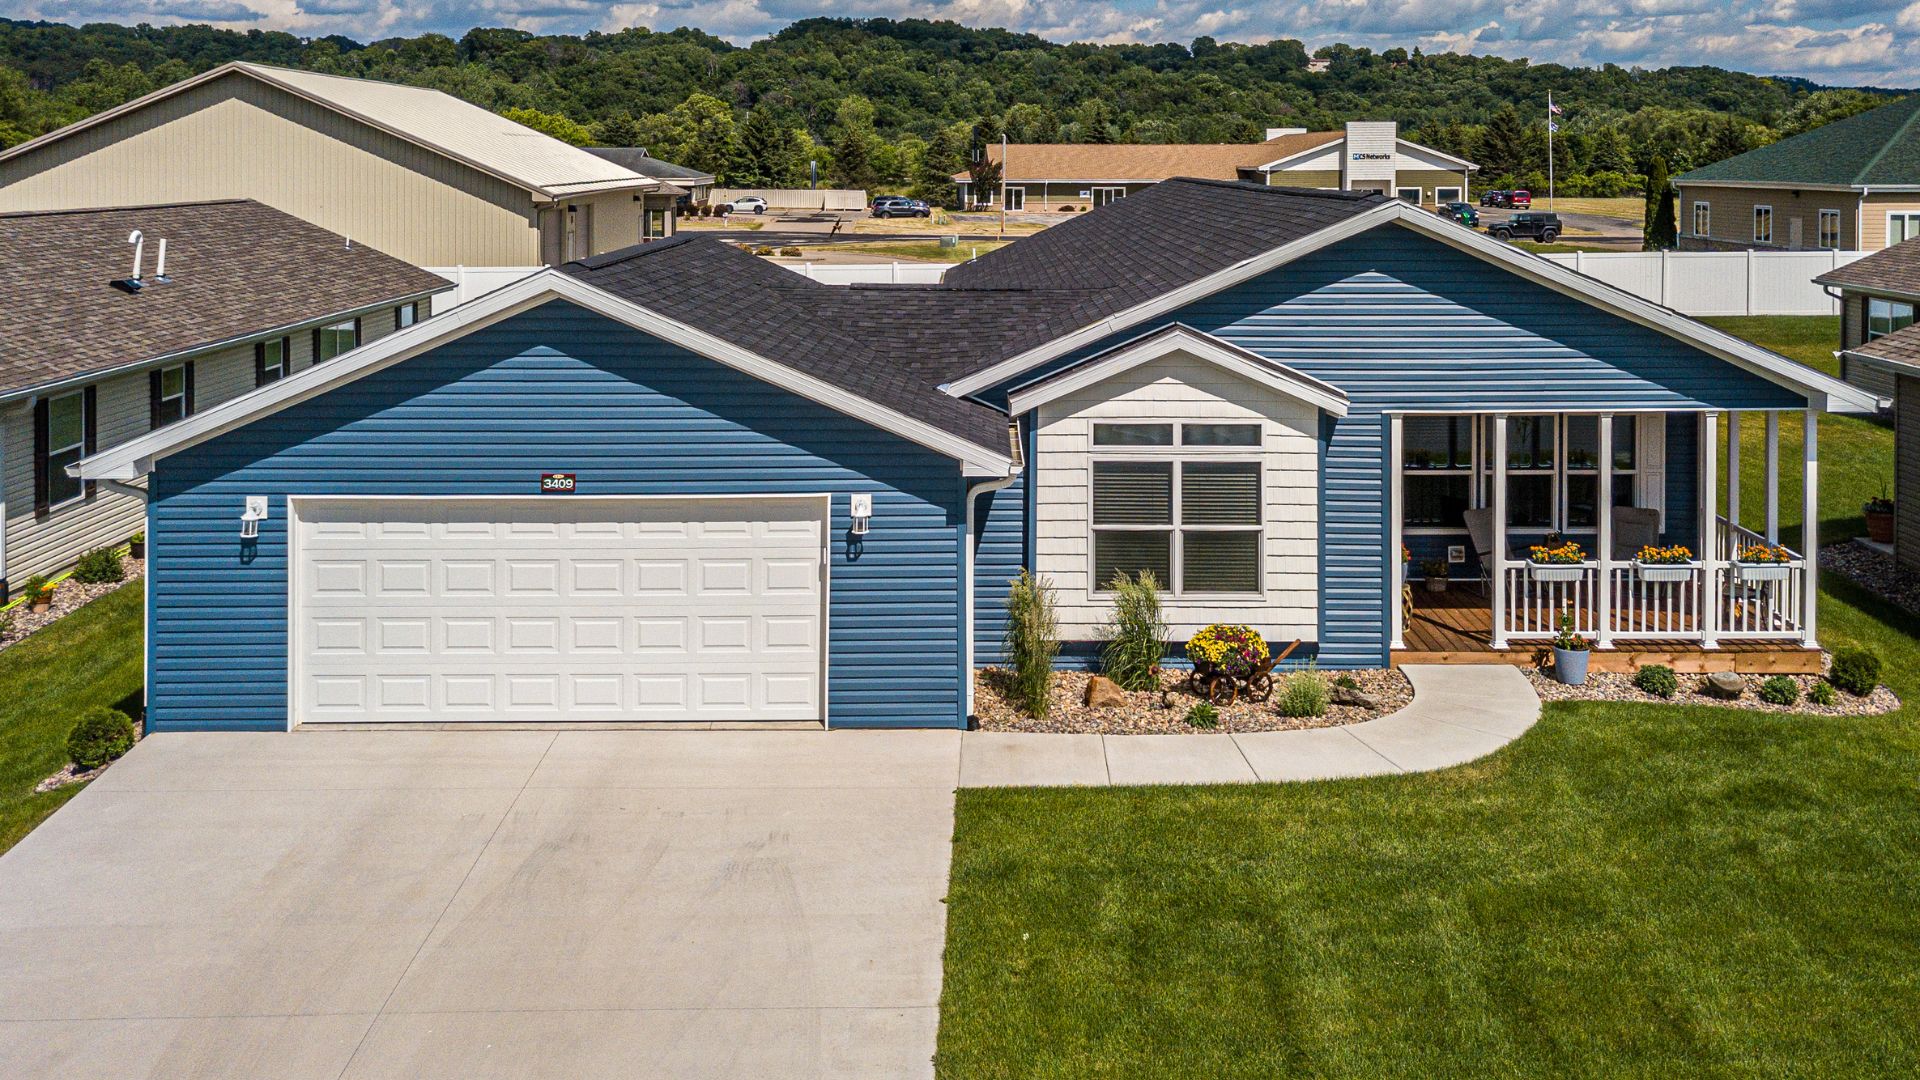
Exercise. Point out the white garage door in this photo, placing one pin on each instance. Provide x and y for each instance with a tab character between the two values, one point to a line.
565	609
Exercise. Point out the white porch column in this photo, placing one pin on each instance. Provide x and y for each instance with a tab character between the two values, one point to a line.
1603	515
1709	530
1810	531
1397	576
1773	476
1733	466
1499	570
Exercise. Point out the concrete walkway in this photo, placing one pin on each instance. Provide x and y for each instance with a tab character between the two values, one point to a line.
1458	713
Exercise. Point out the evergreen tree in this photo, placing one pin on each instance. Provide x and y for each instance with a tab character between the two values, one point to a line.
1609	151
1502	147
945	156
766	151
1660	228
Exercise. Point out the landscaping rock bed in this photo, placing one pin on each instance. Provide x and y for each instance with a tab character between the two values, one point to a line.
68	597
1615	686
1874	572
1143	712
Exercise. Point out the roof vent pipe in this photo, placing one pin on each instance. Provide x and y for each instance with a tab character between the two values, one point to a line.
133	284
160	264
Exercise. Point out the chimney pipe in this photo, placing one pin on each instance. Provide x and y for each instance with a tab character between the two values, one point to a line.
160	267
139	252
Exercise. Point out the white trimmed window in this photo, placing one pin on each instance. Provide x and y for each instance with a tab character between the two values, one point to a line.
1553	470
1830	228
406	315
1902	225
1763	224
66	441
331	341
1886	316
1446	195
1408	195
1582	456
1702	219
270	360
170	396
1181	501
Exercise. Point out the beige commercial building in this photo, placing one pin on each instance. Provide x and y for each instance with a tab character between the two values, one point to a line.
413	172
1367	155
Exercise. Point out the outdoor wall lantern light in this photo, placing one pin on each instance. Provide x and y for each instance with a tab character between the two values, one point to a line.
861	507
252	516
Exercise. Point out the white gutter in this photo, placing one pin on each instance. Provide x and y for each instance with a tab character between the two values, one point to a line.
974	491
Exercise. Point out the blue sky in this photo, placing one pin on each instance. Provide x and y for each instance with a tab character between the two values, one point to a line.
1874	42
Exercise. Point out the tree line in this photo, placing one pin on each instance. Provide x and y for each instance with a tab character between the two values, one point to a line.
903	105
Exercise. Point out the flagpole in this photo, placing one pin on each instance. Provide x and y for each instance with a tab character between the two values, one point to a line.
1549	149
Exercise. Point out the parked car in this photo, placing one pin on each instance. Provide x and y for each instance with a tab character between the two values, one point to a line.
746	204
1518	199
1493	198
888	206
1464	213
1542	227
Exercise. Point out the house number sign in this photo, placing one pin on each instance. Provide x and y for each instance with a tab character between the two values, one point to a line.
556	483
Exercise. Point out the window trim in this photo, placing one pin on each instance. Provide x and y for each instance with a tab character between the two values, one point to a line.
412	306
1401	194
44	503
1758	210
1440	199
1866	322
1886	238
1480	489
1178	455
284	365
335	325
1702	215
1820	230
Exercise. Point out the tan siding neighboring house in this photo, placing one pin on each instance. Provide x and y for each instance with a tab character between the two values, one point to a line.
408	171
241	274
1794	217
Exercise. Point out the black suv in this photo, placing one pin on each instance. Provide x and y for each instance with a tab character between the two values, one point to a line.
1542	227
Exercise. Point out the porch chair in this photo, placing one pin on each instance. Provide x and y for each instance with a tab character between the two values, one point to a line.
1634	527
1480	530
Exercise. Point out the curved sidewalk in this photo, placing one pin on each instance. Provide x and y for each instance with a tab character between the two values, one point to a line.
1459	712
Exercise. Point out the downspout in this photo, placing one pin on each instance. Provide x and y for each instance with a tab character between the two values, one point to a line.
967	543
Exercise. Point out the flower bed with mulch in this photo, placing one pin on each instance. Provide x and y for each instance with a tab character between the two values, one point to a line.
1154	713
1618	686
70	595
1874	572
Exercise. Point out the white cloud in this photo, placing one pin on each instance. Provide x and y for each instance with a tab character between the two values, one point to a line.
1838	41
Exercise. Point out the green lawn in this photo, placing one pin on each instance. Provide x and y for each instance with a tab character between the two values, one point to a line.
91	657
1626	891
927	250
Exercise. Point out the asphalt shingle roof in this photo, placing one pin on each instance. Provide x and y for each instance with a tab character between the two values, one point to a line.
1895	269
898	344
636	159
1902	346
238	269
1880	146
1029	162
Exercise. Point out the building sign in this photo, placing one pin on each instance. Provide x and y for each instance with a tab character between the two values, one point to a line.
1372	157
556	483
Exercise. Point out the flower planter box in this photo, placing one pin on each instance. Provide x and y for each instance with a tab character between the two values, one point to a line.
1556	571
1665	572
1751	571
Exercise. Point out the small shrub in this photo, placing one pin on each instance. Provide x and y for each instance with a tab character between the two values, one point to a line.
1855	670
1032	640
763	249
1203	715
1304	693
1346	682
138	538
99	566
1823	693
1657	679
791	252
1136	634
1779	690
99	736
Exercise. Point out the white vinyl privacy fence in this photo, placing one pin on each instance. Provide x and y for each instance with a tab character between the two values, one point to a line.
472	281
1690	282
797	198
1719	282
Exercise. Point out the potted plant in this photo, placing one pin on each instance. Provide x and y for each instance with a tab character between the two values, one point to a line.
137	546
39	593
1762	562
1879	514
1671	563
1406	563
1558	559
1569	652
1435	571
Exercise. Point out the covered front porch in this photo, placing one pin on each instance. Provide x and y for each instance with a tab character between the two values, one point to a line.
1475	494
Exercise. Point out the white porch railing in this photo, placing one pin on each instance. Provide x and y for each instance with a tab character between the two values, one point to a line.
1746	605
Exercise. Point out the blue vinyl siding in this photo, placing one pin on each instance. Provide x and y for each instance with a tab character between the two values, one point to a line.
554	389
1402	322
1000	528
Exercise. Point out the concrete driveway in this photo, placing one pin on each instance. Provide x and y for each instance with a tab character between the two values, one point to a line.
481	904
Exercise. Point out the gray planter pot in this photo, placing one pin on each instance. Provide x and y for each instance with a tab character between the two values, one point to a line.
1555	571
1570	666
1763	571
1665	572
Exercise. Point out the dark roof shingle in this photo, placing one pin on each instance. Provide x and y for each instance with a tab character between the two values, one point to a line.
1880	146
1895	269
237	269
1901	347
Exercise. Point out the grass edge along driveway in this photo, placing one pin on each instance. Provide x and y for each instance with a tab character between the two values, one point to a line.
90	657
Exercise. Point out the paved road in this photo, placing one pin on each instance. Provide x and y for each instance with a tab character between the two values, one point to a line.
482	904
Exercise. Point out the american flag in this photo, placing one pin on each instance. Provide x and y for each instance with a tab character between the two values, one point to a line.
1552	108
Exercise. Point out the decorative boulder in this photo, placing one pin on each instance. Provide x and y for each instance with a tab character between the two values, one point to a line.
1725	685
1103	694
1347	695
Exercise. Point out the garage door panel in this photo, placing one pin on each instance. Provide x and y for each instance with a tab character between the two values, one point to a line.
535	610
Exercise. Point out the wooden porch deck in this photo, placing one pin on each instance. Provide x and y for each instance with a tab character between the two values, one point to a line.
1456	627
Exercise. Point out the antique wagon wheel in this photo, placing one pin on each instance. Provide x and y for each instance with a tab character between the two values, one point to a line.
1222	690
1260	686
